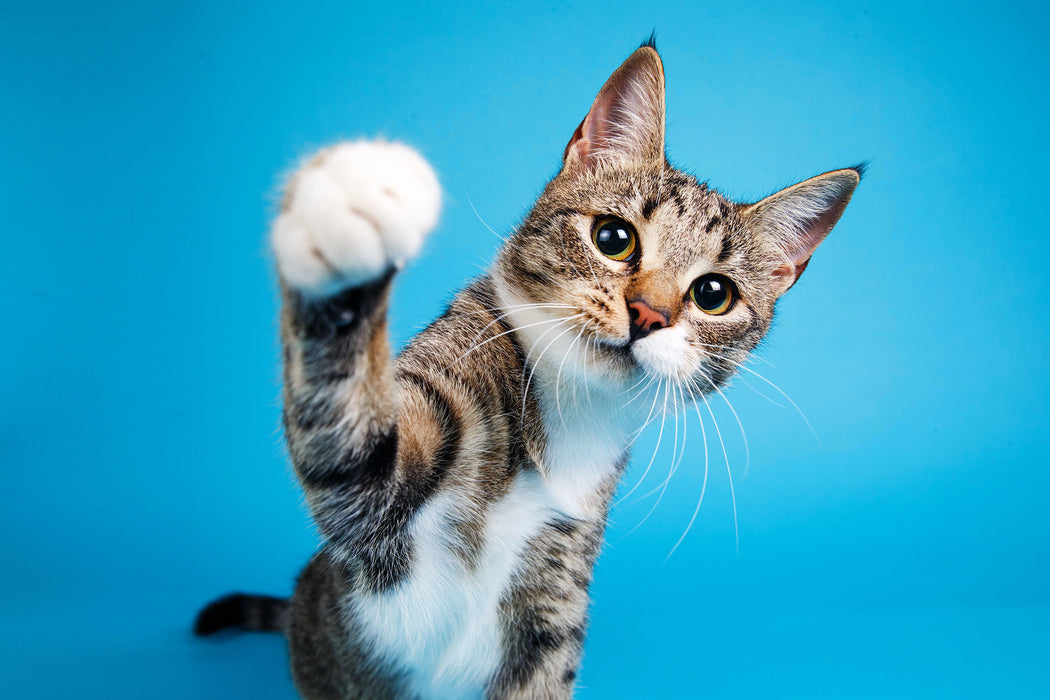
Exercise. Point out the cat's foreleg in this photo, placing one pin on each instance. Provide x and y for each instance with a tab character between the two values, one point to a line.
350	217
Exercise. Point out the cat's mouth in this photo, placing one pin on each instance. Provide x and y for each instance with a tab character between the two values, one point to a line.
615	345
616	352
659	353
662	353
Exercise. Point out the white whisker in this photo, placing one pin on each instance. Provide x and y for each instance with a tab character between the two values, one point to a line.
483	223
589	347
703	486
651	459
750	356
561	365
641	392
740	424
656	396
648	419
779	390
676	456
725	455
764	395
525	393
511	307
518	328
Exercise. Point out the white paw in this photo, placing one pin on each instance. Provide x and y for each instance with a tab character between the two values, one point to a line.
351	213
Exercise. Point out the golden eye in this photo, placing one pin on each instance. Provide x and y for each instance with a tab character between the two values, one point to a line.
615	238
714	294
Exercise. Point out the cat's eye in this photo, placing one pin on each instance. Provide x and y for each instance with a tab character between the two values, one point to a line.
713	293
615	238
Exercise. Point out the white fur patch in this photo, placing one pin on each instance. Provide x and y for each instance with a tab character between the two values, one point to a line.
584	451
664	352
441	625
587	426
355	210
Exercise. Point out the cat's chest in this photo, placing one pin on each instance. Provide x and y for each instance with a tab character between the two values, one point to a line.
584	448
443	626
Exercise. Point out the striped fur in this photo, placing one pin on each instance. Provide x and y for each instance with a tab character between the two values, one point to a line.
462	487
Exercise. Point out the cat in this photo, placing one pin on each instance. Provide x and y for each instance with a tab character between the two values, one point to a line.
462	488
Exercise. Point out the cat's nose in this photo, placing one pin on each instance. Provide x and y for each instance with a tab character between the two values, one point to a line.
645	319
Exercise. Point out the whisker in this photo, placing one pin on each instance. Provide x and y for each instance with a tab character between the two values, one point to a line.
645	377
676	457
729	472
740	424
518	328
659	437
764	395
504	239
651	459
651	379
525	393
648	419
703	486
588	346
500	317
557	379
750	356
490	324
509	308
779	390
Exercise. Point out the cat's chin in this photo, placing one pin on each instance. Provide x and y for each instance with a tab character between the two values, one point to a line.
623	363
662	353
612	358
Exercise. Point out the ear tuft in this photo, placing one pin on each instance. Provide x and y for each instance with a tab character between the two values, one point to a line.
650	42
625	125
800	217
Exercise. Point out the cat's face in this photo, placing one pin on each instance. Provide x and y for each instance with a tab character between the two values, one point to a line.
656	274
641	270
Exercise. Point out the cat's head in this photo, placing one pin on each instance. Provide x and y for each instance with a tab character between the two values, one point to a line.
642	269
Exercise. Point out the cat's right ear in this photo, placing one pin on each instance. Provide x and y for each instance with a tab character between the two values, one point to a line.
626	123
800	217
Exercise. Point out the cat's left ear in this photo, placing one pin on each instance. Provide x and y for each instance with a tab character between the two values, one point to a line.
800	217
625	125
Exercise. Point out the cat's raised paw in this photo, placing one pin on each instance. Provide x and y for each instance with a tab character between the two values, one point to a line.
353	212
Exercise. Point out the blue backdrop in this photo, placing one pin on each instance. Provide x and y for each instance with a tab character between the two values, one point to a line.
904	553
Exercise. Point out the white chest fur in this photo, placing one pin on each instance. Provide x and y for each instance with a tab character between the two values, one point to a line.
441	626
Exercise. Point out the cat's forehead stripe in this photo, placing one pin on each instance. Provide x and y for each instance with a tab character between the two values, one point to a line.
727	248
648	207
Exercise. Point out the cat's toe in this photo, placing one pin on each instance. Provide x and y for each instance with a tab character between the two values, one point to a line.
353	212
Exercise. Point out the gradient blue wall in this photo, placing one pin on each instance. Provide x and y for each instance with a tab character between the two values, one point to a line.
904	553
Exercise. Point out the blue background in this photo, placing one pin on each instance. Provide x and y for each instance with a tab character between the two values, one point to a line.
906	553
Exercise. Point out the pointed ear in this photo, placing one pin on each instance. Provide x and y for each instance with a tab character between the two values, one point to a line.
799	217
626	123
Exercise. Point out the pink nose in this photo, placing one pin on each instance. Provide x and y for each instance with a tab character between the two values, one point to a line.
645	319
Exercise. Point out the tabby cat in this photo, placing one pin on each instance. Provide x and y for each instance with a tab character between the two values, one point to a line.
462	487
